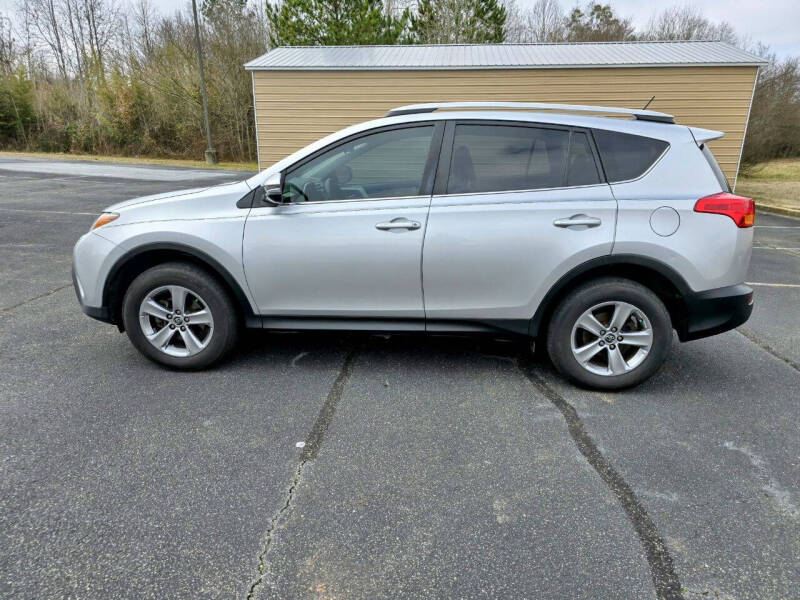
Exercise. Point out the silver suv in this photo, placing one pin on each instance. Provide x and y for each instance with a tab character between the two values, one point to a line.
595	235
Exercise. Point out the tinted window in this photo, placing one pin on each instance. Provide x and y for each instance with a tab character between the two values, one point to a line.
496	158
627	156
581	168
381	165
712	162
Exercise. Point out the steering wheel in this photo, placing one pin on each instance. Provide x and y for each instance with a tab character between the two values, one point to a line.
294	188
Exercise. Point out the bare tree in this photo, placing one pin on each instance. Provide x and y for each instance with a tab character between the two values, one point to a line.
144	15
8	51
774	128
687	23
543	22
46	22
28	50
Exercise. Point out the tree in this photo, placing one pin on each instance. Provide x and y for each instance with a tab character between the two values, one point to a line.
16	105
8	50
774	127
332	22
598	23
687	23
542	22
458	22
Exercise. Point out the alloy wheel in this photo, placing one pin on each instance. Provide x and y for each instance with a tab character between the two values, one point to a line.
611	338
176	320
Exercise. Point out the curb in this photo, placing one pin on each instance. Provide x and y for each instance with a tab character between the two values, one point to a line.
778	210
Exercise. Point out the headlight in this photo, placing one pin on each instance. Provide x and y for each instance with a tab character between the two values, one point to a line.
104	219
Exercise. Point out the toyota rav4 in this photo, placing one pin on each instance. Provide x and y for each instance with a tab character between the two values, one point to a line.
596	236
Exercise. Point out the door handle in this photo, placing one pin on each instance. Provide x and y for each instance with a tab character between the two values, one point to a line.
399	223
578	220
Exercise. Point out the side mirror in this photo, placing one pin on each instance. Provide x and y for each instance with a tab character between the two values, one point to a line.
273	194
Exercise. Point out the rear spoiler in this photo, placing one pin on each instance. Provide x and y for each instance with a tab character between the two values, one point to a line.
701	136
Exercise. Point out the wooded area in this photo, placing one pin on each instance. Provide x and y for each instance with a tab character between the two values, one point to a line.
97	76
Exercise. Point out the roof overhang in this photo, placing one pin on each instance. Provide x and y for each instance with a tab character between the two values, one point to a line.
591	55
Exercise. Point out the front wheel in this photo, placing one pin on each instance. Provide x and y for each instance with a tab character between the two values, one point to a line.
609	334
180	316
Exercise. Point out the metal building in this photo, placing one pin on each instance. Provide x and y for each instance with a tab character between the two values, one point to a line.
304	93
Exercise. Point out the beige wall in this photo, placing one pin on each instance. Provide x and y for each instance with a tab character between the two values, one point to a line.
295	108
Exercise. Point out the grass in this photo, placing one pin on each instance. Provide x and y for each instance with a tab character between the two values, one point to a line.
135	160
773	183
783	169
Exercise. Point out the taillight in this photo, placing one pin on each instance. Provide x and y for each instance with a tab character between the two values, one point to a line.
739	208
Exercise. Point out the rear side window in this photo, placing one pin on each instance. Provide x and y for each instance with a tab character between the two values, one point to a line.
712	162
581	168
627	156
498	158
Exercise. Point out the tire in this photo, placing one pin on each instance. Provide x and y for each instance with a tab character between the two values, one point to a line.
590	357
192	345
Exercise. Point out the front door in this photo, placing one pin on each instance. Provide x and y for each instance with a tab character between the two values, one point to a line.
348	241
522	204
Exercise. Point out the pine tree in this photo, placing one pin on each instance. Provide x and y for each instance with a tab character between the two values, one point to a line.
332	22
598	23
458	22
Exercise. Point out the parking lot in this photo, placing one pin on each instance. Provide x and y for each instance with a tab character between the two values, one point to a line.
432	467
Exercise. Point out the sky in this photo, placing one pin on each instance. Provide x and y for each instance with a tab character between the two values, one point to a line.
773	22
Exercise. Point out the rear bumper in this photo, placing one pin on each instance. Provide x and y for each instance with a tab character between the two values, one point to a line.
714	311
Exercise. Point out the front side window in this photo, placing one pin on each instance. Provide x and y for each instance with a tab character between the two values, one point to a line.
497	158
386	164
627	156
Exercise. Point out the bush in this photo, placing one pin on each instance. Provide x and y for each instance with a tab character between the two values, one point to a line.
17	115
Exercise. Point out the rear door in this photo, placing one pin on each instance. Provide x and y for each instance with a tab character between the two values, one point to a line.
516	205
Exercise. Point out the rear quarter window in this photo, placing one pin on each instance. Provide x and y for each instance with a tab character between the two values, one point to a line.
712	162
625	156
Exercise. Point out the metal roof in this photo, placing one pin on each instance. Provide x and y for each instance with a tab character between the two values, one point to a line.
504	56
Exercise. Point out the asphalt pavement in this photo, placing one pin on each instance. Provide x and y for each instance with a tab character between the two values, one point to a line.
343	466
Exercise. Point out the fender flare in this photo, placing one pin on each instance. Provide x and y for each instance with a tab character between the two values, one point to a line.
606	263
240	297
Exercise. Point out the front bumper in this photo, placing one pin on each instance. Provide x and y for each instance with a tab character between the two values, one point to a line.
101	313
714	311
92	259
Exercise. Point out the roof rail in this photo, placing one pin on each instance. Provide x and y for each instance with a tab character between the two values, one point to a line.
642	115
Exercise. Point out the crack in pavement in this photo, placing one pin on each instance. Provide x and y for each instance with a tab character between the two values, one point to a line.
662	568
767	348
310	450
24	302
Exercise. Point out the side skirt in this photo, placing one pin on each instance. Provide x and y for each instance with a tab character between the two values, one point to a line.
514	327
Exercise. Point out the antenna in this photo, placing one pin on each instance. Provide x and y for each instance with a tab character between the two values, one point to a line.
648	102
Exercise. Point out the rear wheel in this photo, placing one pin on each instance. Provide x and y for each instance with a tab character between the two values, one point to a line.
180	316
609	334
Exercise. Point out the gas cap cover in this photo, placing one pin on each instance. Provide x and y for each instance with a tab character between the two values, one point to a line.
664	221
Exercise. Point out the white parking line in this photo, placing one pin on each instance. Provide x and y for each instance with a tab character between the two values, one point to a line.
54	212
77	178
776	247
778	285
777	226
